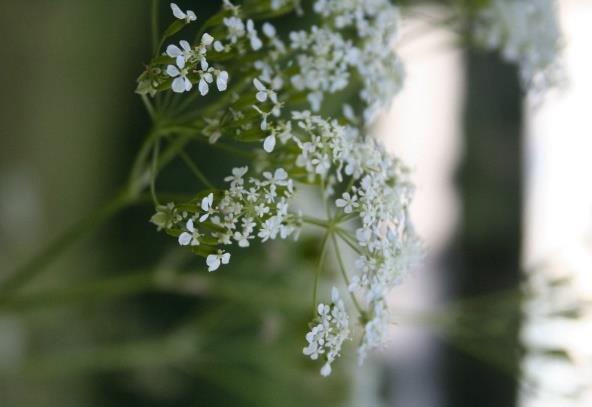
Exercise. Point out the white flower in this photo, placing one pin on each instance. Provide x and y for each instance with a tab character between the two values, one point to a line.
214	260
182	54
263	92
237	176
236	28
181	82
331	330
188	16
191	237
347	202
205	79
206	205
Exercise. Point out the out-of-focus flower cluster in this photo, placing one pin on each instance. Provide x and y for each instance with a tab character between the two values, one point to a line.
527	33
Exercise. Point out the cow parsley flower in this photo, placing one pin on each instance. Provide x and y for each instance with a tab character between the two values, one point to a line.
329	330
188	16
191	236
183	54
215	260
179	73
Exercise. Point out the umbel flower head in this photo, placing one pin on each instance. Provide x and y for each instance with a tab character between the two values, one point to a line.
271	111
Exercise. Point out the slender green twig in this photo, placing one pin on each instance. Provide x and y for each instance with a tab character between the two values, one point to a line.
154	172
318	273
32	267
196	171
344	273
154	26
149	107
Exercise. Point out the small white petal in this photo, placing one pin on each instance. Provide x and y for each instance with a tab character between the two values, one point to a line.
180	60
188	84
204	217
213	262
203	87
179	85
172	71
207	39
206	203
261	96
190	226
280	174
204	64
191	15
326	370
185	45
218	46
222	81
185	238
225	258
173	51
269	143
258	84
269	30
256	43
177	12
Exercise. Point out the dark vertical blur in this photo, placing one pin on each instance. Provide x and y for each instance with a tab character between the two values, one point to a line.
485	257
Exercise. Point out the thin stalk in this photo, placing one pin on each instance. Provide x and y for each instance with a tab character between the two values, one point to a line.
48	255
149	107
316	222
154	172
318	273
154	26
344	273
348	240
196	171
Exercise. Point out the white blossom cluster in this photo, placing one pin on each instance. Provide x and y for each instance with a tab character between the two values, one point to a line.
527	33
354	44
330	329
328	58
378	198
188	66
249	209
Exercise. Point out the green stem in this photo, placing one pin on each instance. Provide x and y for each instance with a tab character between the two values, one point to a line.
344	273
154	27
348	240
48	255
196	171
149	107
318	273
154	171
316	222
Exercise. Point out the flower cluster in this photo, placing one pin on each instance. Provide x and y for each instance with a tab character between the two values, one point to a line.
527	33
367	191
249	209
378	199
329	331
328	58
184	65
